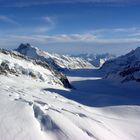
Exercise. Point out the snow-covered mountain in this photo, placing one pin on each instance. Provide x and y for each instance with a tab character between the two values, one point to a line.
35	103
96	60
57	61
124	68
19	65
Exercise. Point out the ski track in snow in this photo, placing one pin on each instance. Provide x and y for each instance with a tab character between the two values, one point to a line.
94	110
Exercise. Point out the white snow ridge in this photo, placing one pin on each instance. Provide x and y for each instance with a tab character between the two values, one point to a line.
55	60
38	102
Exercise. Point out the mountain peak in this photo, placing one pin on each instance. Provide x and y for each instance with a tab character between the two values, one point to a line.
137	51
24	45
28	46
126	67
59	62
27	49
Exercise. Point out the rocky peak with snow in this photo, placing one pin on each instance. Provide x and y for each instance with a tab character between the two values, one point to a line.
126	67
59	62
27	49
16	64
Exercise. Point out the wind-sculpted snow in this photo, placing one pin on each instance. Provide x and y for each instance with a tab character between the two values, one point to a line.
16	64
125	68
59	62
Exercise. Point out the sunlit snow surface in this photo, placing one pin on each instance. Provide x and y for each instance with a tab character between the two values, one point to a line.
94	110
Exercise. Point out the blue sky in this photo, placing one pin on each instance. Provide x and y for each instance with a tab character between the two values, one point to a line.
71	26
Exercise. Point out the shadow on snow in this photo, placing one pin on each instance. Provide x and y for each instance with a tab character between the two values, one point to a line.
99	92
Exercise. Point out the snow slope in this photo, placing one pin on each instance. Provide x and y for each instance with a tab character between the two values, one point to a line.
125	68
97	60
34	110
16	64
57	61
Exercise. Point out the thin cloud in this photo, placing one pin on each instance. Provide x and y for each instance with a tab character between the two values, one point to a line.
42	29
8	20
48	20
116	32
48	24
102	37
61	38
75	38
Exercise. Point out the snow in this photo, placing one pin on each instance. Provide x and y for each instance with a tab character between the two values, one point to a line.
124	68
95	110
13	64
120	62
97	60
55	60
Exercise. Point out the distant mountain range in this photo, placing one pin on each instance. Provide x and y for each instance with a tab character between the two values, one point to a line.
97	60
31	61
